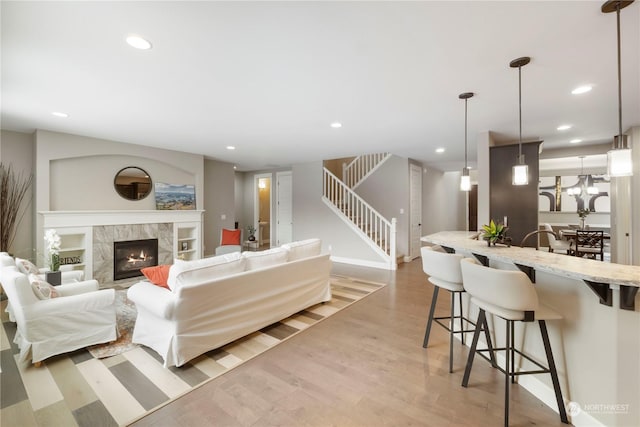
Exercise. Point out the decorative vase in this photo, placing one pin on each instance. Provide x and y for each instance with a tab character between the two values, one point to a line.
53	277
252	238
581	223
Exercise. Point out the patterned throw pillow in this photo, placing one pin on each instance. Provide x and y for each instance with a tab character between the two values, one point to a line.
27	267
42	289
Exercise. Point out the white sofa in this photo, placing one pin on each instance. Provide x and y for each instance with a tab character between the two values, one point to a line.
81	316
216	300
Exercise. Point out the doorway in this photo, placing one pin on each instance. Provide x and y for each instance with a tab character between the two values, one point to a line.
262	210
415	210
284	208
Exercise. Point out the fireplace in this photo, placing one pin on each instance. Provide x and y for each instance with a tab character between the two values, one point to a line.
132	255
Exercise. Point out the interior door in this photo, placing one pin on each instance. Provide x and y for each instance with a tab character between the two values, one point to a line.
415	210
284	208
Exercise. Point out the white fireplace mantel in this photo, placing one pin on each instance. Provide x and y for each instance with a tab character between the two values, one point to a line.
78	229
54	219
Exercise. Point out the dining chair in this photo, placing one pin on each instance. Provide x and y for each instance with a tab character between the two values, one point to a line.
556	244
590	243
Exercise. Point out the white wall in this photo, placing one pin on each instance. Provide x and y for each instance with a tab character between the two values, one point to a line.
634	141
219	201
483	141
443	204
16	150
76	173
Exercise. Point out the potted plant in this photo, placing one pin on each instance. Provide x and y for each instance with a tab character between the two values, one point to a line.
493	233
52	249
582	213
252	231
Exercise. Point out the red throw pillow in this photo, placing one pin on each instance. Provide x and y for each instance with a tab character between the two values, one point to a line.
157	275
230	237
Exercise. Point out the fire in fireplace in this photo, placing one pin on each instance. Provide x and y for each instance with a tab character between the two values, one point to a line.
132	255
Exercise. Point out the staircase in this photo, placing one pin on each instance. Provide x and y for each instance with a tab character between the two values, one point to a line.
361	167
378	232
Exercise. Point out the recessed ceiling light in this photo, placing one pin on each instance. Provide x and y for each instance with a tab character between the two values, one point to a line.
230	147
440	150
138	42
60	114
575	141
582	89
564	127
336	125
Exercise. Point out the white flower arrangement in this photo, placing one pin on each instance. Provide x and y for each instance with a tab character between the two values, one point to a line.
53	242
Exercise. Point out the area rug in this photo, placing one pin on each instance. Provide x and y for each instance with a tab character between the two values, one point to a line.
80	389
125	319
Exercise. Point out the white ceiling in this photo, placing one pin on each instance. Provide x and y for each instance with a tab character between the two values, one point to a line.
270	77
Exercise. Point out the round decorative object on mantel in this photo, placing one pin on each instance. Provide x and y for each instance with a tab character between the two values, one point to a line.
252	238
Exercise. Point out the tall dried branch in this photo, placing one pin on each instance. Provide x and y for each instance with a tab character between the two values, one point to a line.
13	189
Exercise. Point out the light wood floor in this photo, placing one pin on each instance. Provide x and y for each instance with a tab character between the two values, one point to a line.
364	366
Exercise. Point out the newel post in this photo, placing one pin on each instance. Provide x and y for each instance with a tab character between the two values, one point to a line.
392	250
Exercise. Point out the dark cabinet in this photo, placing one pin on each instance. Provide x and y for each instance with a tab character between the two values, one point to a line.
519	203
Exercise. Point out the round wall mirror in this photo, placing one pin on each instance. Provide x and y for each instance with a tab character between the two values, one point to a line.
132	183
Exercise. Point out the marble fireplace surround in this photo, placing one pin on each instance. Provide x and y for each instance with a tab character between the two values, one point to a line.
103	228
104	237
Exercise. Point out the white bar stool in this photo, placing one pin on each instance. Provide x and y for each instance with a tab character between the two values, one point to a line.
444	272
511	296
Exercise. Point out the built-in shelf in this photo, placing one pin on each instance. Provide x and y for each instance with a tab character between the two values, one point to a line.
187	240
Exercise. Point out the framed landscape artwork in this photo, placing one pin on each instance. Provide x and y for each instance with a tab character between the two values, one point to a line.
175	196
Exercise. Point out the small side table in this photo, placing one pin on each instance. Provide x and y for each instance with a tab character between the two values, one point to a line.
250	245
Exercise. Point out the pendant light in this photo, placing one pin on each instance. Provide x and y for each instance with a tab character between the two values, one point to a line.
520	173
465	179
585	185
619	161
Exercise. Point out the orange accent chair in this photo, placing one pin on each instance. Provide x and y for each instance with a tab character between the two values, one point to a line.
230	241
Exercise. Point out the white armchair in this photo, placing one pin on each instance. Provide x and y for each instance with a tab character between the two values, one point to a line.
81	316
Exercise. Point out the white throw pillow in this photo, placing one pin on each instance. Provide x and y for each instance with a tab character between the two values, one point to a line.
202	270
42	289
27	267
303	248
266	258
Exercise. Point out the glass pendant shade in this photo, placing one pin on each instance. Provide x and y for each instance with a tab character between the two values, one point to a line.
465	180
520	172
619	162
520	175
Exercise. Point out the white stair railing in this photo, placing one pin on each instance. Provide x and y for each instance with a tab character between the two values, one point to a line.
379	232
361	167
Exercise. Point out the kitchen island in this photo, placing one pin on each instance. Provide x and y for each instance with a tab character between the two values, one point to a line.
596	345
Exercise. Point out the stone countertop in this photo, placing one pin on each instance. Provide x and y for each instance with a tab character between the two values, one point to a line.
563	265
